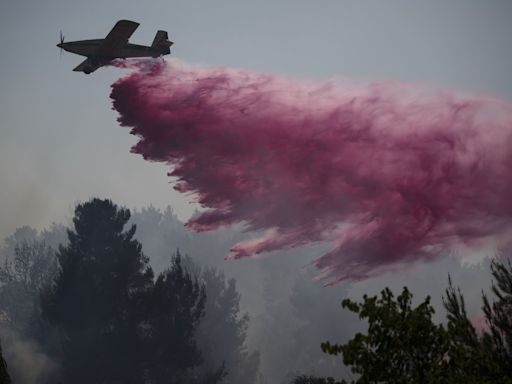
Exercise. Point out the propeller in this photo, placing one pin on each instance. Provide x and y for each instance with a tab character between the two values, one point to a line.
61	42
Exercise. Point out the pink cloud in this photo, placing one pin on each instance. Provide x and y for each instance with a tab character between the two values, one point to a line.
388	173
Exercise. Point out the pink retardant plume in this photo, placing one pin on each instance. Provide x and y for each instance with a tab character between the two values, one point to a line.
388	174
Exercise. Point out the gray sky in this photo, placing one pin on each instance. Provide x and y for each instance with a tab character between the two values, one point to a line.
59	139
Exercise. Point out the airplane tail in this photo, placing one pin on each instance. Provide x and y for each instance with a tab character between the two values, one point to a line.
162	43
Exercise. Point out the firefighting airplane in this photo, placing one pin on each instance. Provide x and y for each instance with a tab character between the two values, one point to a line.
100	52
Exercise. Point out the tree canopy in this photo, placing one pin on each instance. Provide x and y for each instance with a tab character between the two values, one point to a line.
404	345
96	298
117	323
175	309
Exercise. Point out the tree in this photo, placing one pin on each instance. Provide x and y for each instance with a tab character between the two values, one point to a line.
497	341
403	345
97	300
465	357
117	324
486	358
27	271
20	235
175	310
4	375
222	332
23	277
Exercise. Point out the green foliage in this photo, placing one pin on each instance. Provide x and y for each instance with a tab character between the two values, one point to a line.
466	359
498	340
402	345
486	358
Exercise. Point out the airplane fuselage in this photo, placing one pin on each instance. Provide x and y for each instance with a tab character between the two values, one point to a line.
92	48
115	45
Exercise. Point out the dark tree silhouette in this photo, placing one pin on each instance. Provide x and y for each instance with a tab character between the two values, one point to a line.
466	357
4	375
497	341
98	298
175	310
222	332
117	324
486	358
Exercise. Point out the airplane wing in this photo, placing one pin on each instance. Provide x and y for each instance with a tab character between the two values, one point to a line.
118	37
87	66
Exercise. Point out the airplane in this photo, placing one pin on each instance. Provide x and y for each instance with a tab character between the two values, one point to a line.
100	52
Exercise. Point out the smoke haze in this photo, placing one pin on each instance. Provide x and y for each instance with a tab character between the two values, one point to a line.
289	314
387	173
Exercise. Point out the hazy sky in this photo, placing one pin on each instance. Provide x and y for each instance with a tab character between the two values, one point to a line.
59	139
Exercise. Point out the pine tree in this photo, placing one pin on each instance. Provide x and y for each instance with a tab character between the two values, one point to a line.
484	358
97	301
222	332
497	341
176	308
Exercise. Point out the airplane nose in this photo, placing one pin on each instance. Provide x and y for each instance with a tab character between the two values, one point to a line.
59	45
